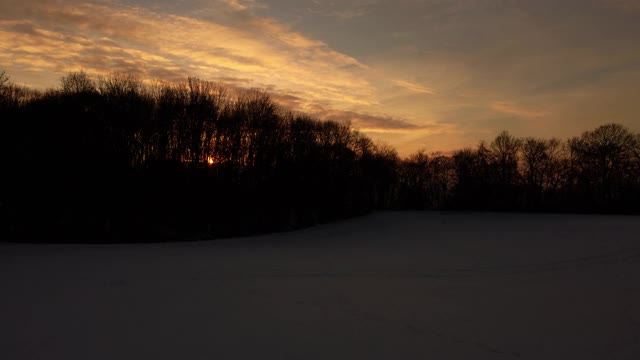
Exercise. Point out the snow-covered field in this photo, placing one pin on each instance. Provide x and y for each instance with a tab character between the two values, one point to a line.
393	285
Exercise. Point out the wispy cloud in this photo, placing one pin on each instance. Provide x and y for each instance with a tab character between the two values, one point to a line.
630	5
414	87
434	73
300	72
370	123
587	77
345	10
517	110
242	5
103	37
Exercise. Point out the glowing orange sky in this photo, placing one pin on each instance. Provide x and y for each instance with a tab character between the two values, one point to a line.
432	74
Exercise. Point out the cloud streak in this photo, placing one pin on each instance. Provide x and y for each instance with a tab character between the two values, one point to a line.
440	74
103	37
512	109
411	86
629	5
369	123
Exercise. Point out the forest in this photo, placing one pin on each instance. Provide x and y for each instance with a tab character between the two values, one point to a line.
118	159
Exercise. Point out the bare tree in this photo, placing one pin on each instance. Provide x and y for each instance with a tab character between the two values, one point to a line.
534	153
4	79
78	82
504	149
604	157
554	168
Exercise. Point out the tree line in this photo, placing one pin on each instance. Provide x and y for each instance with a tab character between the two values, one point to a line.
117	159
597	172
122	159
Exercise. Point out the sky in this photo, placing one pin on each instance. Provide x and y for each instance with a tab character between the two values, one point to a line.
434	75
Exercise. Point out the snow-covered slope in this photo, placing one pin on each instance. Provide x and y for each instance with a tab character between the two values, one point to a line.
394	285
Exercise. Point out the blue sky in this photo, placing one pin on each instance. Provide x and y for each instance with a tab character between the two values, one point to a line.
418	74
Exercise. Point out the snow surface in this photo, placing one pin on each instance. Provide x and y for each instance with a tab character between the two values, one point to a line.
392	285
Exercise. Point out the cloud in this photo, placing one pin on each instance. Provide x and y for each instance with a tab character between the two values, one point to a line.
587	77
299	72
512	109
414	87
344	10
629	5
487	65
242	5
102	37
369	123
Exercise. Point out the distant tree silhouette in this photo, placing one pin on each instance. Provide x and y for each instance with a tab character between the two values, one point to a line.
541	169
535	156
427	180
4	78
385	169
604	159
78	83
475	178
504	153
117	159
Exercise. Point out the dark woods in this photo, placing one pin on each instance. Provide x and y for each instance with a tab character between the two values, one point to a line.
598	172
114	159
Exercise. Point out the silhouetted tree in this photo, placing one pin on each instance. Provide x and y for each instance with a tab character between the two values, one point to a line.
117	159
534	153
4	78
504	150
604	160
474	176
542	169
78	83
386	164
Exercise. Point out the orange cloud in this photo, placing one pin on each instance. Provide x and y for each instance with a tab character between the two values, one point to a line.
512	109
414	87
370	123
43	39
241	5
106	37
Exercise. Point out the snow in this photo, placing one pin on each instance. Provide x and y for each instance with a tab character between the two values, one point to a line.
392	285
